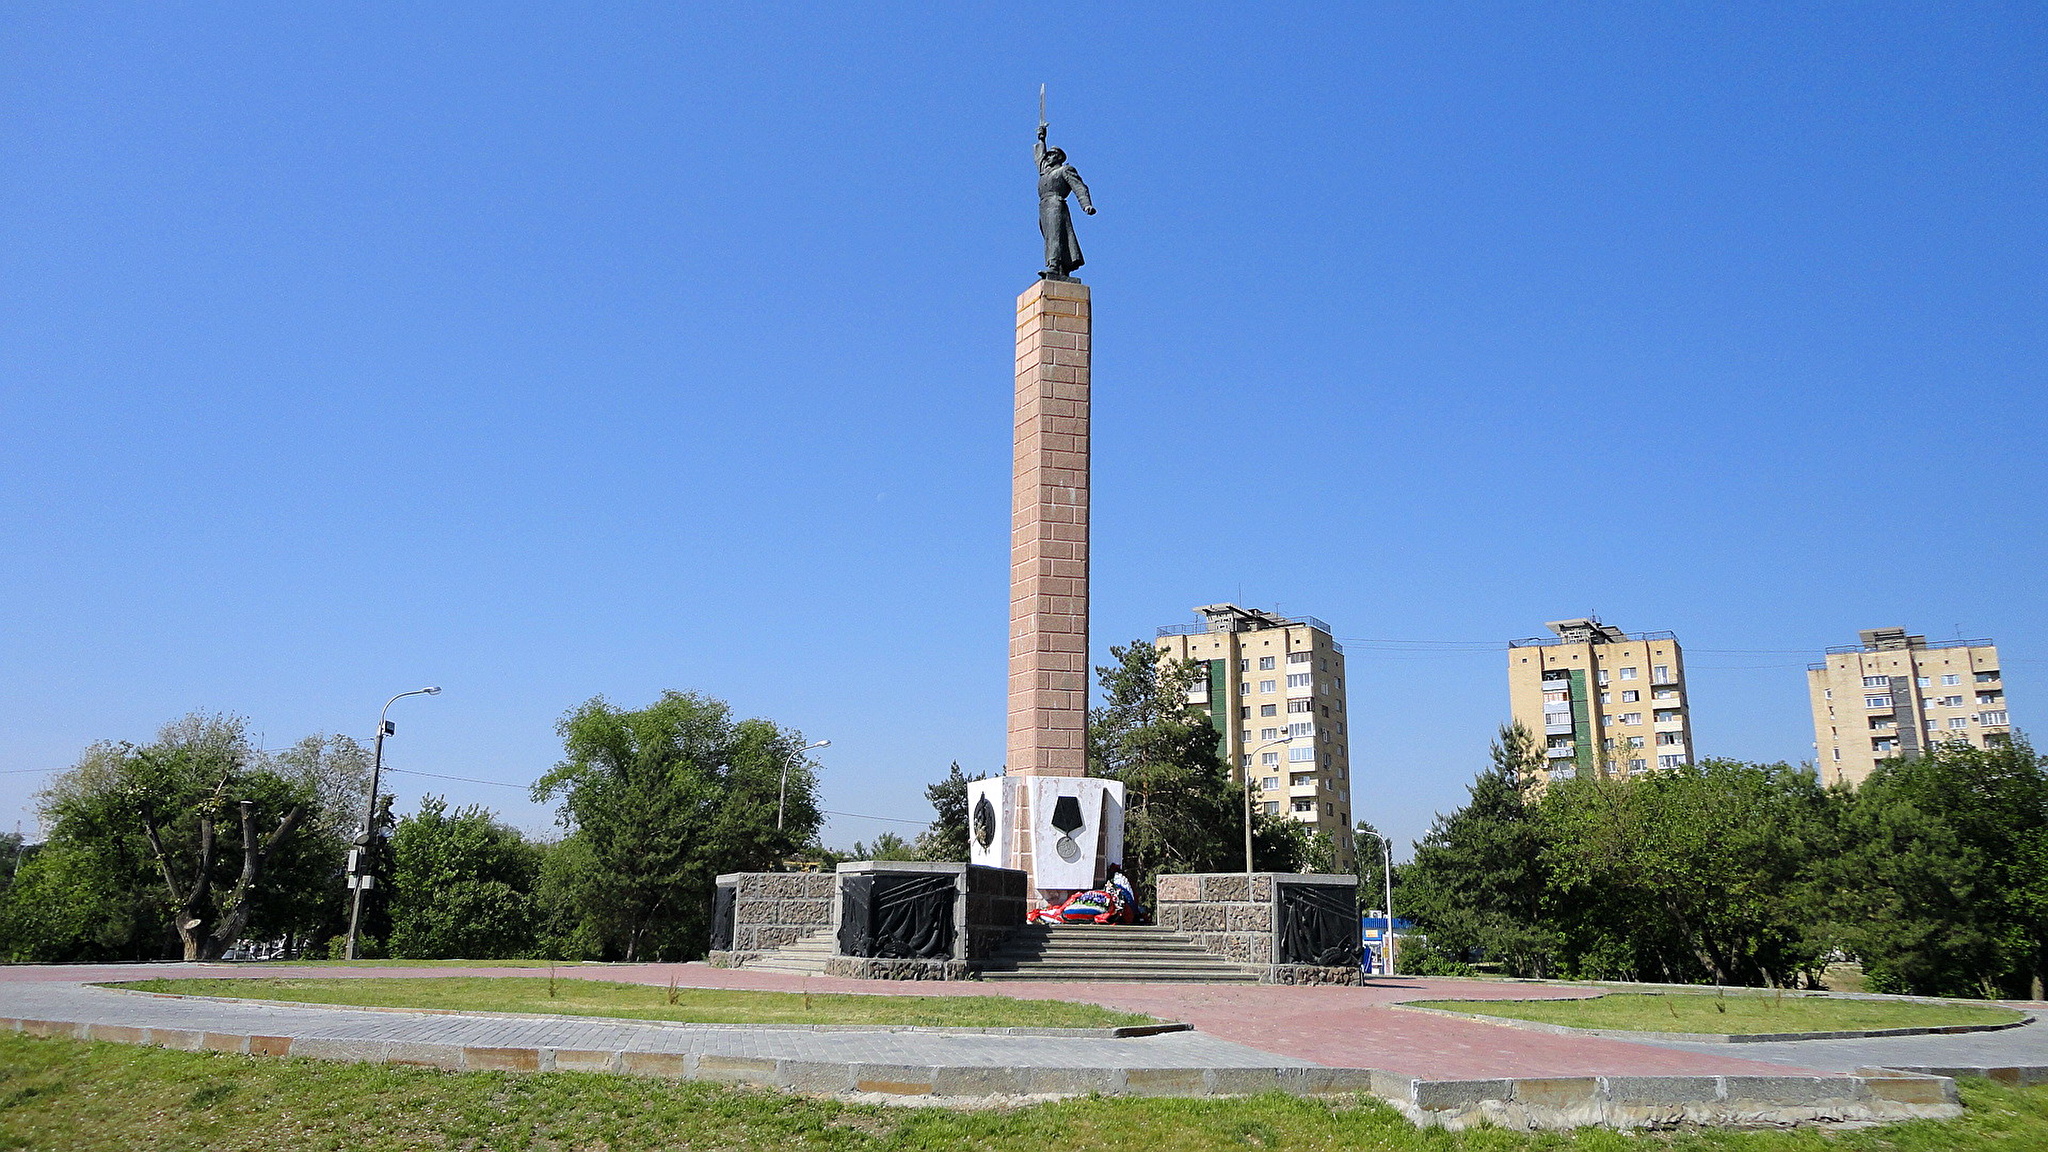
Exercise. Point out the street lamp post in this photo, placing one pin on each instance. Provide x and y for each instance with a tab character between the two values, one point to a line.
1249	764
1387	875
782	793
369	834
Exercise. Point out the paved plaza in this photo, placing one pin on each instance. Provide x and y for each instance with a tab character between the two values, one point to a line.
1235	1027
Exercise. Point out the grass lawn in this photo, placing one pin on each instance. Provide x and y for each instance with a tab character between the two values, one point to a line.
1733	1014
573	997
64	1094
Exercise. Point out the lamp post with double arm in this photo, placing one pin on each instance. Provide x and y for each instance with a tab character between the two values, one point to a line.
782	793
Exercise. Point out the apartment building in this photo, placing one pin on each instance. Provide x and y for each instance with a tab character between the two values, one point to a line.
1893	694
1601	699
1274	689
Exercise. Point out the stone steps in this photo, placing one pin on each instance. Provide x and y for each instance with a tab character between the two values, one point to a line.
806	957
1107	952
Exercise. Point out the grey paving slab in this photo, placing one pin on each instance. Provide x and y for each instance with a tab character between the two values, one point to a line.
2025	1046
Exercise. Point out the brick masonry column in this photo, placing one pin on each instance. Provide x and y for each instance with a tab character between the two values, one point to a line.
1049	539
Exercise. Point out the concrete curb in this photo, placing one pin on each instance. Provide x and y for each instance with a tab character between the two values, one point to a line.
1872	1095
1708	1037
1122	1032
2016	1076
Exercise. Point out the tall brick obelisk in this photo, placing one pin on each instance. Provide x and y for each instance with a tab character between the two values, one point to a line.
1049	534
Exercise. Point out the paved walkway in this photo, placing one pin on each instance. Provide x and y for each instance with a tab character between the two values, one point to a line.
1281	1026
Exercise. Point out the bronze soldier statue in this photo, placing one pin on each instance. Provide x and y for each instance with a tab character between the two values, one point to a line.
1057	178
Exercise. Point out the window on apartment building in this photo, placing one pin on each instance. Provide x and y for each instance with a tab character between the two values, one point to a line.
1838	754
1628	673
1337	682
1877	701
1881	722
1302	755
1556	697
1950	701
1247	736
1607	697
1270	783
1244	712
1608	744
1244	687
1995	719
1268	759
1302	779
1340	726
1299	679
1244	665
1600	676
1922	682
1265	663
1272	807
1661	673
1560	742
1269	709
1987	677
1265	686
1326	709
1301	706
1300	657
1990	697
1635	741
1950	680
1664	694
1631	717
1607	721
1670	760
1301	729
1884	744
1827	693
1638	765
1670	738
1631	696
1310	806
1269	733
1877	681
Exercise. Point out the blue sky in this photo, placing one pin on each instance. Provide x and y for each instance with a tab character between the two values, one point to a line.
543	353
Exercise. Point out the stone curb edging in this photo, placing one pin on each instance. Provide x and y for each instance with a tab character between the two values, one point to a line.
2016	1076
1122	1032
1711	1037
1872	1094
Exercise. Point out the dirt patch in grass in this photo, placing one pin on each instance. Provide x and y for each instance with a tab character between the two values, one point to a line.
577	997
1732	1014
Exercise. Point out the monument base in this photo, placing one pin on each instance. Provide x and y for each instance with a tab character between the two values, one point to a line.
1061	831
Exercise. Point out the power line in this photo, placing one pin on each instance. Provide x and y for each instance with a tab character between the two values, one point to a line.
464	779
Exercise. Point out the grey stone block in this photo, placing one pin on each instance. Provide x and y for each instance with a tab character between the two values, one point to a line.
1070	1081
1243	1081
1661	1089
1250	918
980	1081
1224	889
1178	887
352	1051
814	1075
894	1079
1163	1081
1438	1095
1560	1092
1392	1086
424	1055
1786	1090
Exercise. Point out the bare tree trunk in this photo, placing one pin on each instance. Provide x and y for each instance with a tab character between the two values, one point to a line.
254	857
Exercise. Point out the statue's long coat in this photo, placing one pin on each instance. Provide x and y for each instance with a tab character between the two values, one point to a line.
1055	219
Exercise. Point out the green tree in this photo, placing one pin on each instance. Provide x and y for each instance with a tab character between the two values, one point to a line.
462	885
1182	811
947	839
660	801
1695	873
1942	884
196	833
886	846
1479	880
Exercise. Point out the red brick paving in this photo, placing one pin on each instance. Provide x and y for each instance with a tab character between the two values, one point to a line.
1341	1027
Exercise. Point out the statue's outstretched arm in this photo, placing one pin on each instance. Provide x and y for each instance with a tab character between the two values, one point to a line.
1080	190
